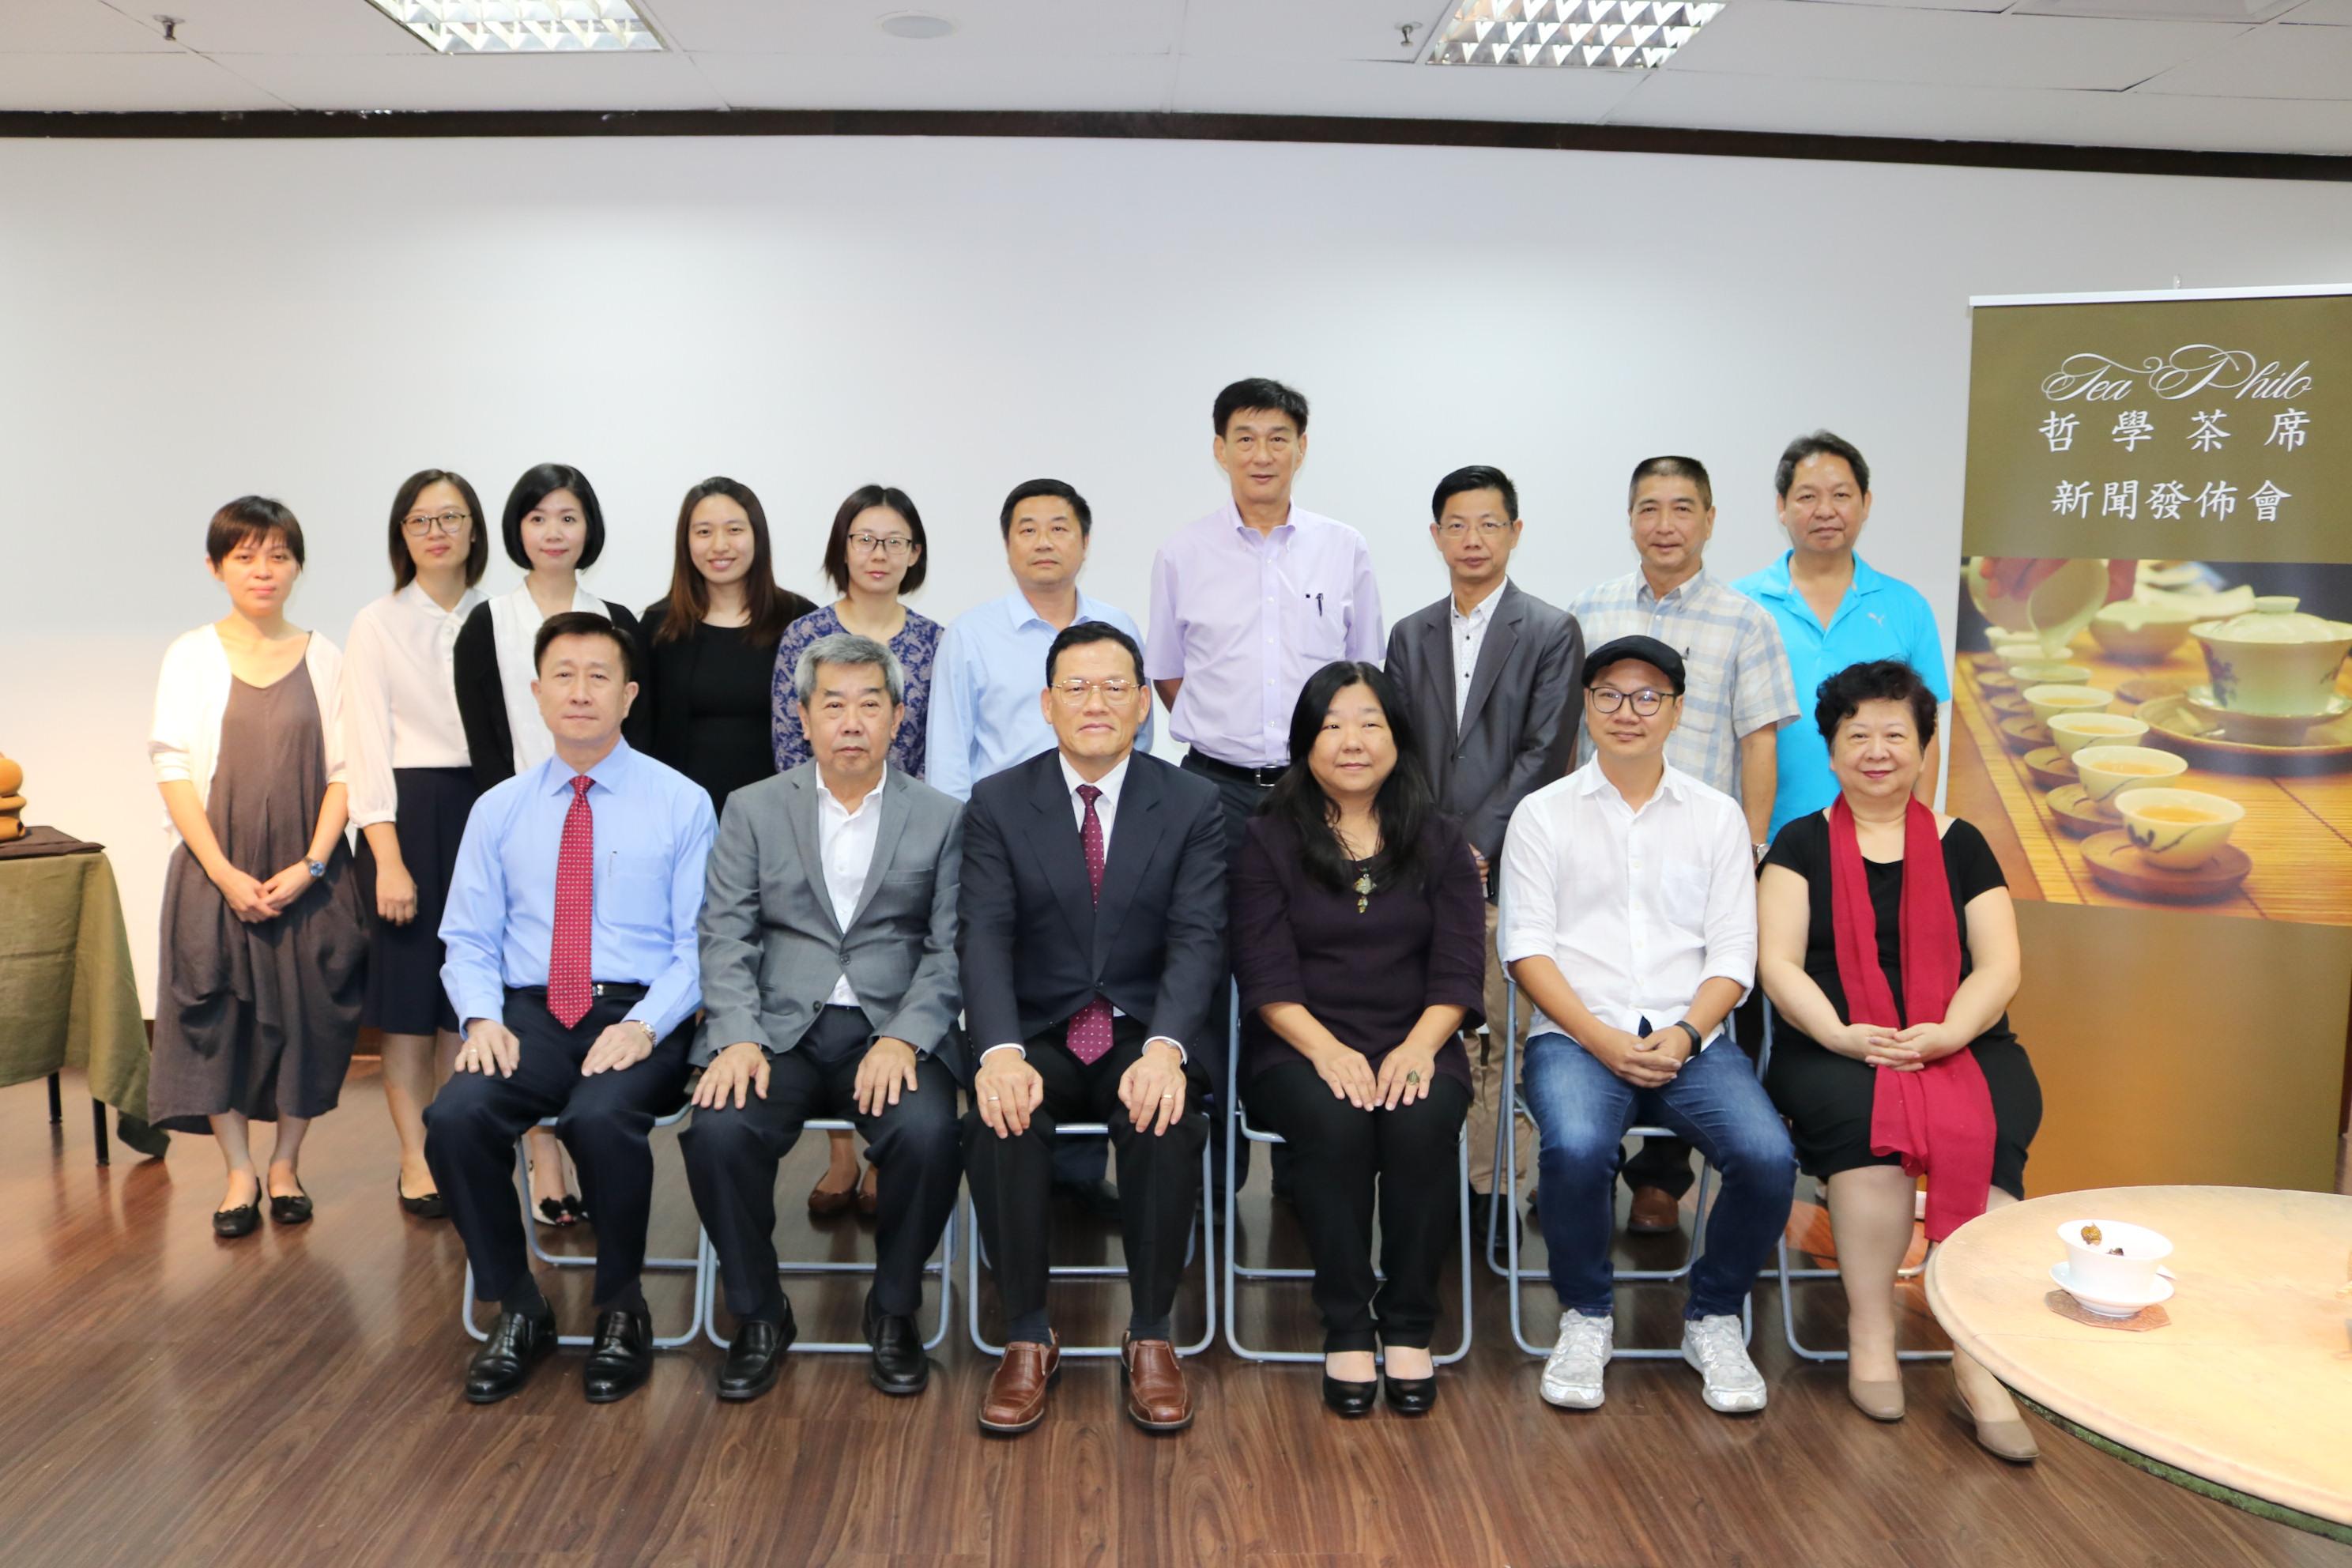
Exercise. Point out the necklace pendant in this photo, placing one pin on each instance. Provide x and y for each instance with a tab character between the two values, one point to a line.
1362	903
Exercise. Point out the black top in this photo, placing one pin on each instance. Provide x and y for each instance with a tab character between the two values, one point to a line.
482	701
705	700
1803	847
1366	976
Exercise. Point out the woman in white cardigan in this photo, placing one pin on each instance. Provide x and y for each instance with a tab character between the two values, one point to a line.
263	954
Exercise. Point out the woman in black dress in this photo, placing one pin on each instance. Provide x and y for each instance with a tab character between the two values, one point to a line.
263	954
1359	941
1829	1069
712	643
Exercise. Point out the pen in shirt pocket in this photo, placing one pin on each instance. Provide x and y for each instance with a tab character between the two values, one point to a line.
1318	604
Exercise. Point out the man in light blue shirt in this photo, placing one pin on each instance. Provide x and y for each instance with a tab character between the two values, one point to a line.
1833	610
573	966
985	715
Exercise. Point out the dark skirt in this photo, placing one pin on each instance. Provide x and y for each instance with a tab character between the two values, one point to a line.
404	995
1828	1100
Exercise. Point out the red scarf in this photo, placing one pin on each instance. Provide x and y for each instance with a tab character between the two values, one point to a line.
1938	1118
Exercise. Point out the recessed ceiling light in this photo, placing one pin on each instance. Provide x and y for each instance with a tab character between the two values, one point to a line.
523	27
1596	34
916	25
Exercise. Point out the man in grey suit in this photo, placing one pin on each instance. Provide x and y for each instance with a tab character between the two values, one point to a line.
828	936
1489	673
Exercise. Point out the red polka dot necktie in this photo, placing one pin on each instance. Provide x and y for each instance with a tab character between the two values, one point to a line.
570	988
1089	1035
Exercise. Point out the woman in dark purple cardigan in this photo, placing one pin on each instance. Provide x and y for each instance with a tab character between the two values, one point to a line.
1360	938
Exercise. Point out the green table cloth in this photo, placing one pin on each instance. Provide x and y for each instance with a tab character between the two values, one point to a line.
67	995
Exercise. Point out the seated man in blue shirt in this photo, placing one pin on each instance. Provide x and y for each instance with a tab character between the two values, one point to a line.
573	965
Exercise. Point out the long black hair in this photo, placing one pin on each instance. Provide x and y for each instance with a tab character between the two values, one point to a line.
1404	804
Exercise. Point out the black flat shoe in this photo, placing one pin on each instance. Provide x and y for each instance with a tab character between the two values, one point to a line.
1349	1399
899	1365
295	1210
574	1211
756	1359
242	1220
621	1359
430	1206
1410	1396
519	1341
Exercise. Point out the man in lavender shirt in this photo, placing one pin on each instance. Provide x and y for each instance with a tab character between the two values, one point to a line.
1247	603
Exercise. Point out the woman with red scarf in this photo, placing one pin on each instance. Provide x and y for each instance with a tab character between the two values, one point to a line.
1888	945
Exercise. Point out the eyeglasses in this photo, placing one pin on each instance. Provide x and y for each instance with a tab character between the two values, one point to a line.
1487	529
892	546
420	525
1608	700
1075	691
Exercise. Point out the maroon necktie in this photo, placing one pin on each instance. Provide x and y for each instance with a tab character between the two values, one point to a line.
569	987
1089	1035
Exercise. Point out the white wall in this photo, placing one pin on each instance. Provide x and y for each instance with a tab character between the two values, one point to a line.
186	322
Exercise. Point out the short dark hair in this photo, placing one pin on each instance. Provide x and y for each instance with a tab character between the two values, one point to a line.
251	517
477	541
583	624
1259	392
535	486
1476	476
1818	444
1841	697
836	543
1669	466
1077	634
1029	490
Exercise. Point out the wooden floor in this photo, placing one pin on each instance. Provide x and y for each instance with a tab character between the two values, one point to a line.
292	1398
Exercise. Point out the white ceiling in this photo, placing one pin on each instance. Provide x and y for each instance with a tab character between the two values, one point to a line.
2145	73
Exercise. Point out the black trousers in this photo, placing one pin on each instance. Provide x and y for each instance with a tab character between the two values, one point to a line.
731	1156
1158	1176
1343	1155
472	1124
1241	799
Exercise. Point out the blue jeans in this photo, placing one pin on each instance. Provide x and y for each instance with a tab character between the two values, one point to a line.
1582	1109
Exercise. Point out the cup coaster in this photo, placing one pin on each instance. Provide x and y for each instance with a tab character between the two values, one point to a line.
2139	1322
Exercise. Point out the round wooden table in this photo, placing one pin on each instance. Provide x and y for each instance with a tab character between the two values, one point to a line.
2246	1394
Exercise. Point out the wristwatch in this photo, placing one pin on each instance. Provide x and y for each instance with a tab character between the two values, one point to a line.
1687	1027
318	868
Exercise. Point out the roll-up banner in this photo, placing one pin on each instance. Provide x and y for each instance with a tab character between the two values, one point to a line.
2152	720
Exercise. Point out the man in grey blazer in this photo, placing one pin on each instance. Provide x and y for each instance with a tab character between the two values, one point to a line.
828	937
1489	673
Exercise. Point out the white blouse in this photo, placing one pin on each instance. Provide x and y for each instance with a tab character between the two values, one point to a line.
192	694
400	695
515	621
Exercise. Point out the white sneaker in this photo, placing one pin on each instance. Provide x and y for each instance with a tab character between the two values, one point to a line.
1714	1347
1572	1375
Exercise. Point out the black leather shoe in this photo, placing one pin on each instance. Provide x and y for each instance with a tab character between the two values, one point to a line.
1408	1396
1349	1399
430	1206
518	1342
622	1358
242	1220
899	1364
295	1210
756	1359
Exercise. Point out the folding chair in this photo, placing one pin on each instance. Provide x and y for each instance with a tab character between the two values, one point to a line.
699	1264
1517	1278
1237	1128
1201	1236
941	1267
1791	1276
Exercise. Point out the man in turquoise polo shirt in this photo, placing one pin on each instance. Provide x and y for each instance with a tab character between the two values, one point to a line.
1833	610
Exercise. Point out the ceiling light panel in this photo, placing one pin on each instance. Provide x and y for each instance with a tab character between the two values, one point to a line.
523	27
1604	34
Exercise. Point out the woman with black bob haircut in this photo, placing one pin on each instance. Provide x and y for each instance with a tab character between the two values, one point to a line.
711	643
1360	942
1887	944
554	529
412	786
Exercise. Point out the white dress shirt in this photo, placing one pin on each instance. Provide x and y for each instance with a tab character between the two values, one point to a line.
1638	908
1469	636
400	695
844	842
514	626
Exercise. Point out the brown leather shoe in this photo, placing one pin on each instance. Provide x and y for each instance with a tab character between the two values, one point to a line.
824	1203
1654	1213
1016	1395
1157	1399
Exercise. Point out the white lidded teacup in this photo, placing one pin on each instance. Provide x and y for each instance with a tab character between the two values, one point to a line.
2120	1266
